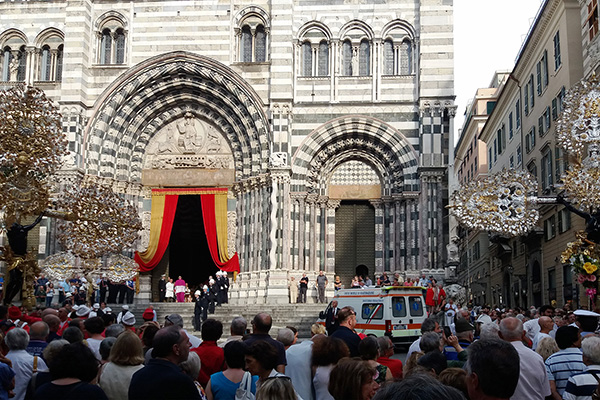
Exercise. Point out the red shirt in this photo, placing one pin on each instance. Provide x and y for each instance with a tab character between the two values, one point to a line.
212	360
395	366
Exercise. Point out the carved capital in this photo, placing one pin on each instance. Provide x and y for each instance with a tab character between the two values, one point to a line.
377	203
333	204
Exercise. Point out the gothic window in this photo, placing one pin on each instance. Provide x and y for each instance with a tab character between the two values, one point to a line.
22	68
252	35
406	58
59	63
49	58
323	61
105	47
389	58
397	59
246	44
46	67
112	39
306	59
260	44
347	58
365	58
120	46
6	63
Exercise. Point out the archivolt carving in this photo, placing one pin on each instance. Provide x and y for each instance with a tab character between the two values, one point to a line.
175	81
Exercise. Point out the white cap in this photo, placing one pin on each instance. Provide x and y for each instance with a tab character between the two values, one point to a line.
585	313
107	310
212	281
125	307
224	273
197	293
219	273
128	319
205	287
96	306
82	311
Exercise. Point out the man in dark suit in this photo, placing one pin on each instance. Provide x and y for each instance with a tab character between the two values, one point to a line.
331	318
347	321
162	288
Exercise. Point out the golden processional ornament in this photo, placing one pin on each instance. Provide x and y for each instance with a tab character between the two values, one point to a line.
503	203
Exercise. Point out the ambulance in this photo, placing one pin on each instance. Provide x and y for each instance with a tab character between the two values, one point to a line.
393	311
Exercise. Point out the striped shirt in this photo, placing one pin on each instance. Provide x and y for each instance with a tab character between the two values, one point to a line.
581	386
562	365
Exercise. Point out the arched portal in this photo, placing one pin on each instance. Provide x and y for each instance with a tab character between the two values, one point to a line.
359	162
181	120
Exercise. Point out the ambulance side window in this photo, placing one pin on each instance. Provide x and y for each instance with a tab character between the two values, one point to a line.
416	306
398	307
372	311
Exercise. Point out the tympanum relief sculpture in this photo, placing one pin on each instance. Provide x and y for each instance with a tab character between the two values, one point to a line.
188	142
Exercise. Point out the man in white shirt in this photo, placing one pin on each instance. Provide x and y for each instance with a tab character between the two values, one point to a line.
23	363
429	325
533	380
532	327
546	326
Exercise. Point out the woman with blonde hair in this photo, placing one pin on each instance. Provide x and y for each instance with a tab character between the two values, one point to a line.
546	347
277	388
126	358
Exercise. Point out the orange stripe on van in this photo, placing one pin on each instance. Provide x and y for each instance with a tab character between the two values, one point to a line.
370	327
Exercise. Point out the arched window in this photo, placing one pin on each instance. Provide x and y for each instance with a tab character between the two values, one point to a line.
246	44
365	58
46	66
388	58
406	58
347	58
59	63
106	47
111	33
323	67
22	69
6	61
251	26
307	59
260	42
120	46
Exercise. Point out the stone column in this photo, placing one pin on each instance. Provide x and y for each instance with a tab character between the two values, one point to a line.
378	204
332	205
298	239
322	227
313	236
389	239
399	235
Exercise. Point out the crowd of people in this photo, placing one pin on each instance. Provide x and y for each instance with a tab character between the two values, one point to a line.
77	352
79	291
179	291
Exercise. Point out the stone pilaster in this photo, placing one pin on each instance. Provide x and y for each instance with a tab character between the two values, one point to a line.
311	201
332	205
378	204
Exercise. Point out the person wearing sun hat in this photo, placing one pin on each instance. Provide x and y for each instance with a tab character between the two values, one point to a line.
83	312
128	321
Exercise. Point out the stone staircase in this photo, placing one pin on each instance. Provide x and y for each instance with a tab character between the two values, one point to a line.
300	316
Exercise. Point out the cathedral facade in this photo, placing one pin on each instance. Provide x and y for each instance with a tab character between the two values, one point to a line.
328	123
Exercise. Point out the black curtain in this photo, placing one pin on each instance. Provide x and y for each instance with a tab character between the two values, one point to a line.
189	255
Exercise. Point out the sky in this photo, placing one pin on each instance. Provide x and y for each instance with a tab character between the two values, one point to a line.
487	37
